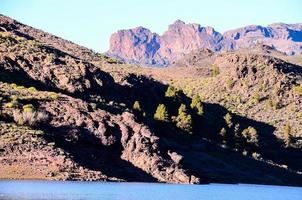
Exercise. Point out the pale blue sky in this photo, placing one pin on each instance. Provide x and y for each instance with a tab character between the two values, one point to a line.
91	22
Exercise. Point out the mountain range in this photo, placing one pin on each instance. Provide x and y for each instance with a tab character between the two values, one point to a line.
140	45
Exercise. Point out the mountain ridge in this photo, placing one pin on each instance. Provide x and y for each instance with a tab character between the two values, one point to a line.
140	45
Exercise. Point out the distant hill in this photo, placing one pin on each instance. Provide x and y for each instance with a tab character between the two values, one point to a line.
140	45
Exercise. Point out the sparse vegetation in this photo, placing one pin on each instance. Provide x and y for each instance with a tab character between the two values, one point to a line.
101	103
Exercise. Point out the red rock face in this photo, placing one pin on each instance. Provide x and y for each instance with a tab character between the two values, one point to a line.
137	44
142	46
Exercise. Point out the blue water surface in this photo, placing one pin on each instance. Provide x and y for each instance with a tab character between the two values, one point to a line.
65	190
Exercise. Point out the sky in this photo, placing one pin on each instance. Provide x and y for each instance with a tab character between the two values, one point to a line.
91	22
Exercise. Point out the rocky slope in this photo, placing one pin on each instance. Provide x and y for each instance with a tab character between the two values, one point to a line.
67	116
142	46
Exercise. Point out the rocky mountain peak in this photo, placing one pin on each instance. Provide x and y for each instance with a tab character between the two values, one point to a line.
143	46
177	24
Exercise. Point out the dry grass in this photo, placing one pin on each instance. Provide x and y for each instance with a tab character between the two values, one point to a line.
31	118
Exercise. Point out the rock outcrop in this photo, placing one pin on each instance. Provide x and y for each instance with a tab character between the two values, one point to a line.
140	45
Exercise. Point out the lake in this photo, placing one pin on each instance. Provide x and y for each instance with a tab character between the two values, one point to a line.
59	190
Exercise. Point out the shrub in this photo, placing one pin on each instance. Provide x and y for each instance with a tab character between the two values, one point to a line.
184	120
136	106
14	98
276	90
229	84
273	104
256	97
251	135
32	89
197	105
215	70
53	95
9	105
28	108
20	88
29	118
228	120
14	85
298	90
93	106
161	113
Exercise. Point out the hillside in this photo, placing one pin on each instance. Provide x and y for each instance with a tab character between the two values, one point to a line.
140	45
66	115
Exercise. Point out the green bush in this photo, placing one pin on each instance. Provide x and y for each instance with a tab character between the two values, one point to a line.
161	113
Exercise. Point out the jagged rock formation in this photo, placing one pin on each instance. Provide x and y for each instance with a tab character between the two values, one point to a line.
142	46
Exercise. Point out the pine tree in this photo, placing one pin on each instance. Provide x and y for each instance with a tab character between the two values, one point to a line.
136	106
197	105
287	135
161	113
171	92
223	135
228	120
184	120
251	135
